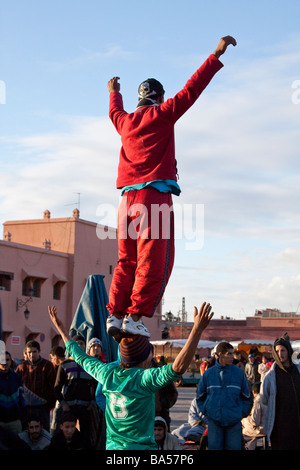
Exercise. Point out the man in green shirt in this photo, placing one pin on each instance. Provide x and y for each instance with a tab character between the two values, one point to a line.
130	386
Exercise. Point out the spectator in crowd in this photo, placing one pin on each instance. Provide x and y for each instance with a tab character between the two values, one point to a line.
263	369
195	427
69	437
165	398
237	360
35	436
74	392
94	348
197	421
253	424
12	402
57	356
38	376
207	363
224	406
281	395
130	387
164	439
251	370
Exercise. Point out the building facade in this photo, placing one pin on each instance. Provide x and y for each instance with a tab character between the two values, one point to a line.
257	328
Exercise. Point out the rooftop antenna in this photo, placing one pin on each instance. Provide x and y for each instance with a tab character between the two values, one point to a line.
77	204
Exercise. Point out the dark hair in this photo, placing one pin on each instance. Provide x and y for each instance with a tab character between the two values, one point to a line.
33	416
223	347
33	344
256	387
58	351
68	416
79	338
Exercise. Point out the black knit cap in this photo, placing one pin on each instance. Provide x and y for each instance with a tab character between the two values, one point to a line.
148	92
284	340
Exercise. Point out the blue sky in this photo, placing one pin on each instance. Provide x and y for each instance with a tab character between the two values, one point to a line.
237	148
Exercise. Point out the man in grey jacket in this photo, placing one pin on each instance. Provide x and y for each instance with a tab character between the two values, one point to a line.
281	394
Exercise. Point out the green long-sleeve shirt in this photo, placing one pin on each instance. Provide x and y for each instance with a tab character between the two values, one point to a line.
130	395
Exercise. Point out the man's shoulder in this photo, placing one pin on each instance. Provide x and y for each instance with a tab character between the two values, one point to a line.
46	435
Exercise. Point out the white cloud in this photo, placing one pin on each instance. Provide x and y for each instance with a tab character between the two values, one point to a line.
83	160
86	56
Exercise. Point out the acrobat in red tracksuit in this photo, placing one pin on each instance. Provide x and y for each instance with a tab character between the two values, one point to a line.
146	255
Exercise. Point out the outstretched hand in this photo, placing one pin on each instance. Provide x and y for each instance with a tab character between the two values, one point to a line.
58	323
113	84
185	356
223	44
203	317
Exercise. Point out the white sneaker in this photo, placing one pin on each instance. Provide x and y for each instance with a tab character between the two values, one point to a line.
131	327
113	325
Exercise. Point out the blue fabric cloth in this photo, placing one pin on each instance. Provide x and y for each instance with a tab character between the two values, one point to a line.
91	315
164	186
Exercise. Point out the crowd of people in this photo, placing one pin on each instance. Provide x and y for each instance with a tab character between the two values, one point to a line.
246	402
241	402
50	403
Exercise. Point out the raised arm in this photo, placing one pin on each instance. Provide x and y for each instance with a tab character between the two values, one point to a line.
201	320
58	324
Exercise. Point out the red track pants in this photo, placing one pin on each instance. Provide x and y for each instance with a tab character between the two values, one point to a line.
146	252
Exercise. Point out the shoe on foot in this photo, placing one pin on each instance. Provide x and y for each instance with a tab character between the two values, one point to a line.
131	327
113	325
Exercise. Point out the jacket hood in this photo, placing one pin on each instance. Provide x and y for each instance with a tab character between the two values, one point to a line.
159	419
284	340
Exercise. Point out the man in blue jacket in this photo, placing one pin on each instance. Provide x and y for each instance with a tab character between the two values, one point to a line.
224	397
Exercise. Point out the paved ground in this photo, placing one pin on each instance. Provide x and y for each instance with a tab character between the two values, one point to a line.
179	412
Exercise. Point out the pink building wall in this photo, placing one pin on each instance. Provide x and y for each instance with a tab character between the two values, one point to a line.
64	251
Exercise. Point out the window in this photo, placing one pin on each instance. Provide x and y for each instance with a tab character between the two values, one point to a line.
5	280
32	286
58	282
57	290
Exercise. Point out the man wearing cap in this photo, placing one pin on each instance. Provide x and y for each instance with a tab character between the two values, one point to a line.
130	386
94	348
147	177
281	394
164	439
